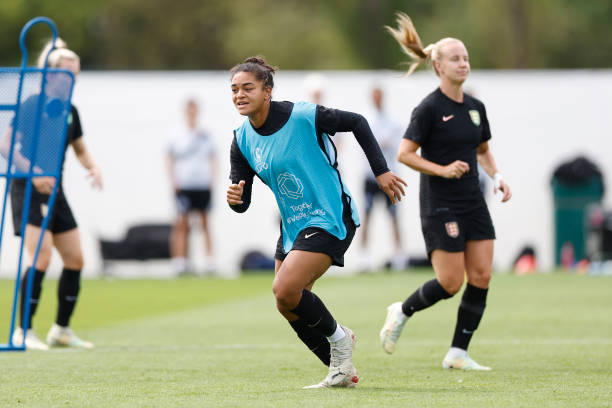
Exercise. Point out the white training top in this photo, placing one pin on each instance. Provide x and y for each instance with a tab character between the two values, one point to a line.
192	152
389	134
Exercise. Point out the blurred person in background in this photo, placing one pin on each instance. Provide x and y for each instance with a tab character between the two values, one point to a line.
287	145
192	166
62	231
314	87
388	133
452	131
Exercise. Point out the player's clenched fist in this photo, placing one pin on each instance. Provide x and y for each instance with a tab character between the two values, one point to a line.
234	193
455	170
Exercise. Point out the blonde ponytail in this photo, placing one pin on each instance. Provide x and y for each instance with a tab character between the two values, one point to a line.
408	38
60	51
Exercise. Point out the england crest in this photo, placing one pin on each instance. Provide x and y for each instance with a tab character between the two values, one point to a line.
452	229
475	116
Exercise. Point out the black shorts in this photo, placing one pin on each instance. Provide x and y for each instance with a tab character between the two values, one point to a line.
192	200
313	239
61	219
449	231
371	191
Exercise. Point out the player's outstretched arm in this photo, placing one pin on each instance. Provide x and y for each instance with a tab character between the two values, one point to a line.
330	121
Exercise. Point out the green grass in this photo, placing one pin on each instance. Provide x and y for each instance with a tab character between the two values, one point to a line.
219	343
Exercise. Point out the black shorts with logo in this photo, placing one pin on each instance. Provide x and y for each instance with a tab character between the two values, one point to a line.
61	220
314	239
192	200
450	231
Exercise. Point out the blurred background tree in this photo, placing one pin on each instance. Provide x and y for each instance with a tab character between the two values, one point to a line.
312	34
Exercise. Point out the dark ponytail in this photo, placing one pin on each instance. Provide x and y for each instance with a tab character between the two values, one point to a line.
258	67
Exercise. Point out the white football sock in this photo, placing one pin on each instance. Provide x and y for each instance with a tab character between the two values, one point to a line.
338	334
455	352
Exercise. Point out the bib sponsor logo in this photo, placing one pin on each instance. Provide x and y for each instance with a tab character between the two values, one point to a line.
452	229
290	185
475	116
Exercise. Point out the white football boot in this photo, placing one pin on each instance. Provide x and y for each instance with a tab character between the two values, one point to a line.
342	372
59	336
461	361
32	342
394	323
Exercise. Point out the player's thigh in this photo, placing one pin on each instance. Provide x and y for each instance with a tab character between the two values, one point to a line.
181	223
68	244
449	268
277	265
32	236
479	262
299	270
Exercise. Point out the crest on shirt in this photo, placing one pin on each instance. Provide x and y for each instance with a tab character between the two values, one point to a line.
475	116
259	162
452	229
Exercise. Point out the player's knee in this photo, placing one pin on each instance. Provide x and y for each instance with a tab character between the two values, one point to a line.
480	277
74	261
43	260
286	298
181	224
453	284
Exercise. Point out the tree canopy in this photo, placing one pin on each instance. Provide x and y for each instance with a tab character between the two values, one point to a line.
312	34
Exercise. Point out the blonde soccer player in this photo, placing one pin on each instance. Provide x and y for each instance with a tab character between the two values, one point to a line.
62	232
452	131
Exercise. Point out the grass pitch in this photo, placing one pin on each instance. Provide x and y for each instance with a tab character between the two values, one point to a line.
218	343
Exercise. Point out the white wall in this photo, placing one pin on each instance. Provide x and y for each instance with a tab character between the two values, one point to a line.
538	119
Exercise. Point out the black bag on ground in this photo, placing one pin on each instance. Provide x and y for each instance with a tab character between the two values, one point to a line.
142	242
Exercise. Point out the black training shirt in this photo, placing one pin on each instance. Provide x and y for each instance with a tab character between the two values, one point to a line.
327	120
25	130
446	131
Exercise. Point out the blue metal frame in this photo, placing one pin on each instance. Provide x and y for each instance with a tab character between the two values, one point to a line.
28	176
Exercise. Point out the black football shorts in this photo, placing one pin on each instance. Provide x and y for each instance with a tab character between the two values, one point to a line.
313	239
449	231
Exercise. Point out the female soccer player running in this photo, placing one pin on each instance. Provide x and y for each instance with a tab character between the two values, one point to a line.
62	232
452	130
287	146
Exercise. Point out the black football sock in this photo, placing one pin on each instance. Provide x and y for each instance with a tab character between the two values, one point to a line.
315	341
470	312
35	295
427	295
67	294
314	314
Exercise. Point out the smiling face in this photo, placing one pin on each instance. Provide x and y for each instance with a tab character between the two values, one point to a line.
249	94
454	62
